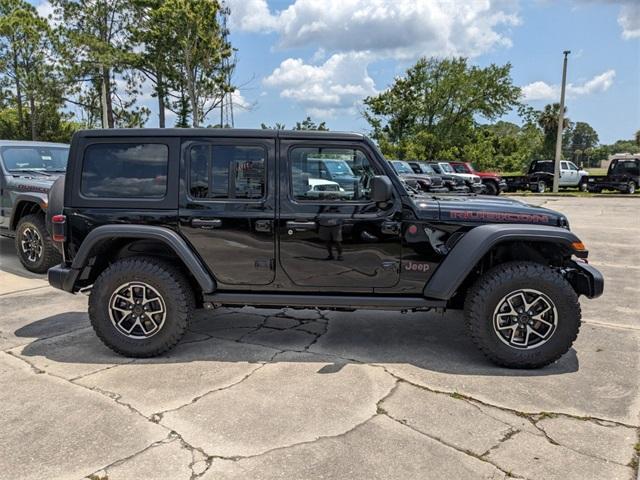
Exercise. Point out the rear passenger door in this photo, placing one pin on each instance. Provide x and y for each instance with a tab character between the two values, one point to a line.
227	207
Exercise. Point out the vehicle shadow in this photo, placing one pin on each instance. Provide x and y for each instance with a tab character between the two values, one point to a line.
428	341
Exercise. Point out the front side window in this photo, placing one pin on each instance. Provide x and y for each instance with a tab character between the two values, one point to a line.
460	169
446	168
35	159
125	170
319	173
572	166
227	171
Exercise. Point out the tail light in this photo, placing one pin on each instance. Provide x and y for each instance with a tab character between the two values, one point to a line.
59	228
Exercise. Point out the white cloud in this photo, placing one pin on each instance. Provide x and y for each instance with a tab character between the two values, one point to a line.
329	88
348	35
401	28
629	20
543	91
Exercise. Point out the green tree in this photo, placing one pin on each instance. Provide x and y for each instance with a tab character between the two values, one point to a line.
637	138
95	41
276	126
548	121
26	70
432	111
308	124
583	139
197	46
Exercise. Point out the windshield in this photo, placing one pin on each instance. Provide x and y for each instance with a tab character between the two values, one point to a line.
35	159
402	167
339	168
435	167
446	168
426	168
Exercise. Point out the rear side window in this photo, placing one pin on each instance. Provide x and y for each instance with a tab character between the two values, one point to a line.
227	171
125	170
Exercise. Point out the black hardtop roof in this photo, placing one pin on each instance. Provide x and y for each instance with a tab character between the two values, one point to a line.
217	132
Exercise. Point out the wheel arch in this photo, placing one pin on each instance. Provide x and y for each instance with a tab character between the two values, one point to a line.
107	243
26	205
488	245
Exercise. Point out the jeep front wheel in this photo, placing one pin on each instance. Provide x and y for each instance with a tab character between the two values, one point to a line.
522	315
140	307
491	188
33	244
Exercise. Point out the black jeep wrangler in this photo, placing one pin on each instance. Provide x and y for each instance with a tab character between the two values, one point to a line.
155	223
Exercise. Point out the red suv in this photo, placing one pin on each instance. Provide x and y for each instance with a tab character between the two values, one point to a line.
494	183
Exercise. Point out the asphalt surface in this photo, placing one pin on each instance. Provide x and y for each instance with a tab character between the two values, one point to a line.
300	394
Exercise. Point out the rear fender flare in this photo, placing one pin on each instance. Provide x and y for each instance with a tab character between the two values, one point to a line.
470	249
165	235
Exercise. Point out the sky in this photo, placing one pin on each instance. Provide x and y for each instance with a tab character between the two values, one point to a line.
322	57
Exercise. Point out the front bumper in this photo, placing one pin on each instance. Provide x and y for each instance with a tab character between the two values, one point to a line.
502	186
63	277
586	280
477	187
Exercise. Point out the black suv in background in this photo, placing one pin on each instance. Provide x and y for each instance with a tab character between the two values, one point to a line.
155	223
27	171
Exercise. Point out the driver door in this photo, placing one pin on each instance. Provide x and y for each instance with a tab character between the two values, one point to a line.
337	239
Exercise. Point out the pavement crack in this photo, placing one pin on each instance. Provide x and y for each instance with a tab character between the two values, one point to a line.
454	447
158	416
103	473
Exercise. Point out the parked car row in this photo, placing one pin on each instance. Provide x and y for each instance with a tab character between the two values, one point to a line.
623	176
456	177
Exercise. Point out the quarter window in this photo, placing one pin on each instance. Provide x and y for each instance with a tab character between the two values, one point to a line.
330	174
125	170
227	171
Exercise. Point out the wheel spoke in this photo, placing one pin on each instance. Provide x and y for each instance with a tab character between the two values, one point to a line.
137	310
525	319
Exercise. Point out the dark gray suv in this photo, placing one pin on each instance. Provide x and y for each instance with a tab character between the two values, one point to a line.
28	169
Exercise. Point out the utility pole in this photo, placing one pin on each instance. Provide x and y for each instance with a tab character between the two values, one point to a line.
556	167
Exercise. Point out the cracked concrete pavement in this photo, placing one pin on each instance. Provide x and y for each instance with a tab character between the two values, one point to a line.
267	393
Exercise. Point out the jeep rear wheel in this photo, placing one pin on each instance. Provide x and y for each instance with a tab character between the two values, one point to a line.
140	307
522	315
34	246
631	188
541	186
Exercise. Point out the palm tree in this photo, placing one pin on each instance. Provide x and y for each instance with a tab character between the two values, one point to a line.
548	121
638	137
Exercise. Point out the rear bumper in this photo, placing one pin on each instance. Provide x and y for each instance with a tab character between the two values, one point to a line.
63	277
587	280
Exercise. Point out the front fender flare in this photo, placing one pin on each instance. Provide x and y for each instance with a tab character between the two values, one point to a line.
470	249
165	235
39	199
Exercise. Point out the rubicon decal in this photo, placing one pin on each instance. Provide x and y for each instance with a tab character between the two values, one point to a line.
499	216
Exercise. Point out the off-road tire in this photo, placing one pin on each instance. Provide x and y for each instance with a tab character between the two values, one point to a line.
582	186
483	297
49	256
541	186
491	188
631	188
171	284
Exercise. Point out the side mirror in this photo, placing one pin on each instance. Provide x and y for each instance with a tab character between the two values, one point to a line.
381	189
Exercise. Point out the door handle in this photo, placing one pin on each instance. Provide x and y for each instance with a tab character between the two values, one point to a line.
207	223
301	225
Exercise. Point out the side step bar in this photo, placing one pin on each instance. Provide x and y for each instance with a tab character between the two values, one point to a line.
321	301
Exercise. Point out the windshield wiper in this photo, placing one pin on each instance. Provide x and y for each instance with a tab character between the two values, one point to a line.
28	170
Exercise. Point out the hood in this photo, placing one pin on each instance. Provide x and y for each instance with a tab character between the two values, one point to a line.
473	209
32	182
